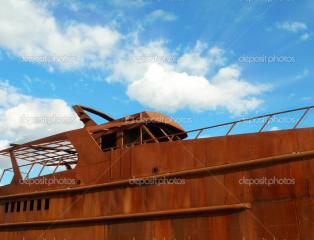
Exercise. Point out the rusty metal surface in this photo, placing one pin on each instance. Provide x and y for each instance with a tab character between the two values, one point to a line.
104	204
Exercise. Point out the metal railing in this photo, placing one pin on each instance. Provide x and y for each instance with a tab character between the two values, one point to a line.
232	125
267	117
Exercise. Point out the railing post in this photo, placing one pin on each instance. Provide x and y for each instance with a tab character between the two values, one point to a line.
2	175
265	124
199	133
230	129
301	118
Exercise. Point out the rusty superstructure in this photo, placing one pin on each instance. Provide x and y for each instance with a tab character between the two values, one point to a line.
144	177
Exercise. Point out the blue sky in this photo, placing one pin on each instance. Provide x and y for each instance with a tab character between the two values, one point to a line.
207	61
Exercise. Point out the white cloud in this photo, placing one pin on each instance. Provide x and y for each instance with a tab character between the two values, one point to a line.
168	90
201	60
162	15
293	27
174	85
32	31
4	161
4	144
24	118
134	60
9	95
274	128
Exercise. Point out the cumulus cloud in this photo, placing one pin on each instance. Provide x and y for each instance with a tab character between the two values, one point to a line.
162	15
134	60
34	34
144	68
296	28
200	60
168	90
198	79
24	118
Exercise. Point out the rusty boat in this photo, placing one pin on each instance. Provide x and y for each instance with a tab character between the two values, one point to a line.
143	177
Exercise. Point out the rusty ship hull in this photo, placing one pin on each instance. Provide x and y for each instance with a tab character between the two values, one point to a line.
244	186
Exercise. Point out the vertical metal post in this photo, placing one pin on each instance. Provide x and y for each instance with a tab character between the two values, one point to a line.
16	169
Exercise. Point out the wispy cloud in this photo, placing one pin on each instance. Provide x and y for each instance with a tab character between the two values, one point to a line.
302	75
161	15
295	28
307	98
129	3
305	36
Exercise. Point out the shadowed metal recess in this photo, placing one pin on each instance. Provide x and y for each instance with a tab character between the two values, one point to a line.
143	176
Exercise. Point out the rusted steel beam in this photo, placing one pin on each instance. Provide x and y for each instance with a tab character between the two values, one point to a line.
133	216
80	111
15	167
150	134
166	135
198	134
213	170
265	124
42	169
301	118
230	129
56	137
3	172
42	148
29	170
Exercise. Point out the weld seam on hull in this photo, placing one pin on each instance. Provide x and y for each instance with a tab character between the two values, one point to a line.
207	170
135	216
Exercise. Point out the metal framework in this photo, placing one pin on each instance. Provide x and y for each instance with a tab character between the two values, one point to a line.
51	154
165	188
62	152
